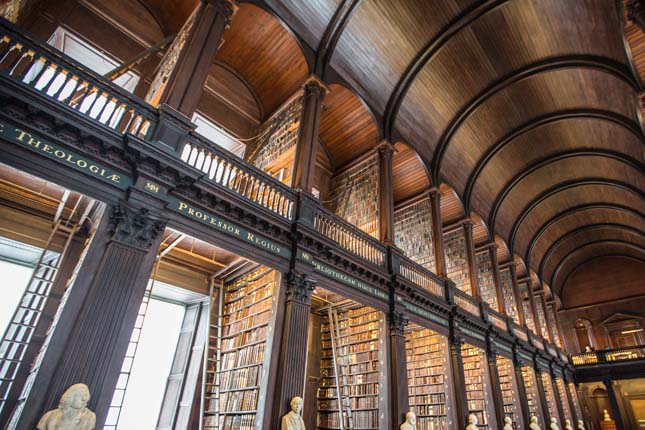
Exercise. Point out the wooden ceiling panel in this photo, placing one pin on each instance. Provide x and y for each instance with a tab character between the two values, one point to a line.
574	136
261	50
558	172
508	38
590	252
588	236
135	16
503	255
574	221
520	267
573	199
480	231
172	13
451	208
382	38
308	18
347	127
409	175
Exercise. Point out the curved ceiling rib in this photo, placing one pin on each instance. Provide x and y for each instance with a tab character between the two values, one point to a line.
605	243
535	123
501	196
332	33
563	186
570	211
563	62
597	257
589	228
458	23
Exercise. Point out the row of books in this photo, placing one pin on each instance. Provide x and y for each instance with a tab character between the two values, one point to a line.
247	299
473	360
241	378
250	321
243	357
432	423
426	380
237	401
413	233
328	389
430	410
245	338
361	419
354	402
351	349
361	357
347	328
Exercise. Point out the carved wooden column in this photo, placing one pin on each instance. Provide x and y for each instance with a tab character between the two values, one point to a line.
399	401
493	370
182	73
472	261
636	13
291	370
542	395
459	382
549	329
616	414
574	414
385	193
521	388
94	327
558	400
518	296
496	280
536	321
437	232
308	139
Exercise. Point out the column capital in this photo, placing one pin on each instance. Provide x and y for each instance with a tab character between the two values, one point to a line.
299	288
397	322
134	226
315	86
227	8
385	147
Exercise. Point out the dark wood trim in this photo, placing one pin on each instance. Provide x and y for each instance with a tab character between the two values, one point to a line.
458	23
557	188
577	230
508	187
556	272
576	61
544	120
332	34
579	208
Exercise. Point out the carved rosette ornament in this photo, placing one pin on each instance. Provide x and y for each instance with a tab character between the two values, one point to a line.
313	86
397	322
134	226
299	288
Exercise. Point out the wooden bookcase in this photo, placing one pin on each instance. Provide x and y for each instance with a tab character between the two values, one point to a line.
359	347
551	406
562	391
478	390
576	402
239	352
509	388
526	306
485	279
506	283
532	395
541	318
413	233
429	381
457	259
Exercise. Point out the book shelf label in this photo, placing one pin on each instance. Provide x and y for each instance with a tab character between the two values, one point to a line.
425	314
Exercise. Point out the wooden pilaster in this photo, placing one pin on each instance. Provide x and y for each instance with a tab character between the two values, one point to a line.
92	334
542	394
308	140
472	261
558	400
399	401
385	193
291	366
616	413
437	233
521	391
518	296
496	279
459	382
493	370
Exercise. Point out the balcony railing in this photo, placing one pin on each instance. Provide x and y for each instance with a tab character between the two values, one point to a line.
349	237
497	320
239	177
609	356
422	277
67	82
467	302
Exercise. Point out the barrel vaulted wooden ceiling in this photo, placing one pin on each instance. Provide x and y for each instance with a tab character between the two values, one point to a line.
525	113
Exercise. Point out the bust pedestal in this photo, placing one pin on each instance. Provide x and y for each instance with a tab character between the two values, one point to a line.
608	425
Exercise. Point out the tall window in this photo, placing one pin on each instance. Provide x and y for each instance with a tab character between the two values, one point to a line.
218	136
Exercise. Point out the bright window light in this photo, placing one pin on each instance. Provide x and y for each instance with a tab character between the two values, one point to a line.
151	366
14	282
218	136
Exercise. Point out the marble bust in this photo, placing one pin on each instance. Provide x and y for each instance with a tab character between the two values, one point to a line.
472	422
533	424
410	422
293	420
605	415
567	425
72	412
508	423
554	424
581	425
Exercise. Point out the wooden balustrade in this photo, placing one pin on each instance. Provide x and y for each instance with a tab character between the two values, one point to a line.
349	237
239	177
609	355
422	277
67	82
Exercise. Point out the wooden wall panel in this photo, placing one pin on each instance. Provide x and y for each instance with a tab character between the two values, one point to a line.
409	175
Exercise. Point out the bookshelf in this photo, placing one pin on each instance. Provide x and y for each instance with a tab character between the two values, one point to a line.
562	391
532	395
526	306
541	318
456	259
506	284
485	279
413	233
239	351
574	398
360	356
509	389
551	406
429	383
477	384
551	317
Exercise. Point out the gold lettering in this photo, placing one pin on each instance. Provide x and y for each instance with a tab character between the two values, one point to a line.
47	148
22	134
81	163
182	206
250	236
58	153
114	178
191	211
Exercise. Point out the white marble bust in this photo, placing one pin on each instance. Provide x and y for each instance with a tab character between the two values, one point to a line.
508	423
567	425
410	422
554	424
472	422
293	420
72	412
605	415
581	425
533	424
